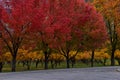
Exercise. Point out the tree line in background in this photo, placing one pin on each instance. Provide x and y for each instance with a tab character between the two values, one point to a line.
57	26
26	59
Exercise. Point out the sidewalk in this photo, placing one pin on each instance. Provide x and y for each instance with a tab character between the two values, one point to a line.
96	73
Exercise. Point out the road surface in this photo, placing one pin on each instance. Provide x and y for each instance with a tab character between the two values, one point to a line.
96	73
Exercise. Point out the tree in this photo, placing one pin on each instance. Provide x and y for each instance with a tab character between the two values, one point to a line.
110	11
55	26
15	22
94	32
48	21
88	29
67	25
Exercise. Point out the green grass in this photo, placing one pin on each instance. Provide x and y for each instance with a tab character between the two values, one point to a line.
19	67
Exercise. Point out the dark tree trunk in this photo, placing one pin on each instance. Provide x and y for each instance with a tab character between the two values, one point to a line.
23	63
56	63
92	58
112	57
28	65
67	62
37	62
1	66
13	63
73	62
52	64
46	60
104	63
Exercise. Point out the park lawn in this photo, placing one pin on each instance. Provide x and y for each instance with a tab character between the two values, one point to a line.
19	67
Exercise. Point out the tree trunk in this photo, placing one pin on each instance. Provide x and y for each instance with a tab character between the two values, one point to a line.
112	57
13	63
67	62
92	58
1	66
37	62
104	63
46	61
73	62
28	65
52	64
113	40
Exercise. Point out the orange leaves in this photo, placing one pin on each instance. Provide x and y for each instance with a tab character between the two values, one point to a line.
85	55
25	55
57	57
109	8
6	57
117	54
101	55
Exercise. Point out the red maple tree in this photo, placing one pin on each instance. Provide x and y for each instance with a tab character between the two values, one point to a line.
51	24
67	25
15	22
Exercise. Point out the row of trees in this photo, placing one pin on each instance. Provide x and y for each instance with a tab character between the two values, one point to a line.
37	58
51	25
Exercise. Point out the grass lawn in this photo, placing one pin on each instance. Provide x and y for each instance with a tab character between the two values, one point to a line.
19	67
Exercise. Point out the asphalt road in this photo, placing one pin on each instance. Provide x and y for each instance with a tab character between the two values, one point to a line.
96	73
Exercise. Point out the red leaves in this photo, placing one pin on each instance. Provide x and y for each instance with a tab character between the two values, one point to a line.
20	14
56	20
60	19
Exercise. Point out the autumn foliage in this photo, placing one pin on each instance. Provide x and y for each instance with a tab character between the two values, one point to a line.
110	10
59	26
15	25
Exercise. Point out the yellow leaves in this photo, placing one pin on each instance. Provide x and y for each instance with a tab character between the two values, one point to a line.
117	54
26	55
83	55
72	53
21	54
104	50
38	55
106	56
56	56
7	56
99	55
